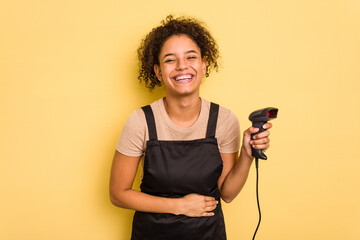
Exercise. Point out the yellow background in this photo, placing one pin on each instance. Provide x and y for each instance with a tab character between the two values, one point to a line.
68	83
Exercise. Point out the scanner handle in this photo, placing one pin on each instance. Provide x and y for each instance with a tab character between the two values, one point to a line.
258	153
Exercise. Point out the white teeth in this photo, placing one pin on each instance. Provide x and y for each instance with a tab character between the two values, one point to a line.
183	77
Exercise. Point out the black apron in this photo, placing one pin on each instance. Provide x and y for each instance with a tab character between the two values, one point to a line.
174	169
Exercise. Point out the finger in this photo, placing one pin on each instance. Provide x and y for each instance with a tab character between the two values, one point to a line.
260	141
267	125
209	199
210	209
207	214
212	203
261	146
253	130
262	135
209	206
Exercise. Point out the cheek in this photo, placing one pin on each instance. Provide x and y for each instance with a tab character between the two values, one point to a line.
166	71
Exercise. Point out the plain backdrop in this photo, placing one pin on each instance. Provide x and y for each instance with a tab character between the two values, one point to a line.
68	82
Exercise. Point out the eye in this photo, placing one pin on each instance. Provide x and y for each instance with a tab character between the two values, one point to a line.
192	57
169	60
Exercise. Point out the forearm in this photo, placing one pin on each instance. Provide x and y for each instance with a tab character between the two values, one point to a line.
139	201
236	178
123	172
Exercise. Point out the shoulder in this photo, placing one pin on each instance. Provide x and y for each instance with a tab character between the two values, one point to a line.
225	117
132	141
228	122
138	118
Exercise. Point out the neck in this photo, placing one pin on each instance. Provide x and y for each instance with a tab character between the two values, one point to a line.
183	111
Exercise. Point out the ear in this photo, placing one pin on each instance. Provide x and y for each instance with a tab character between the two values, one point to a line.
204	64
157	72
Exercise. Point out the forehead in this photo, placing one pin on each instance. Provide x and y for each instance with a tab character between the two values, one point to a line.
179	43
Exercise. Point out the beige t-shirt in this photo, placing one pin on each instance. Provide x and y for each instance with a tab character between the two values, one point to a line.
132	141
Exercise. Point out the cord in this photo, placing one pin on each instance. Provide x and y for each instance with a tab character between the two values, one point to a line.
257	194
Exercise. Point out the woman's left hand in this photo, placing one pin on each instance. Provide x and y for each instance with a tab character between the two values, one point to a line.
260	141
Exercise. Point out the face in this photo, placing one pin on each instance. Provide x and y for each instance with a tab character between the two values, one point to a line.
181	67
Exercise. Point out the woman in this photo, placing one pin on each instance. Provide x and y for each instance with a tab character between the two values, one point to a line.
191	146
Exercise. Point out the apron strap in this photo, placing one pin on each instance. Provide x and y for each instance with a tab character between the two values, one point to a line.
213	116
150	120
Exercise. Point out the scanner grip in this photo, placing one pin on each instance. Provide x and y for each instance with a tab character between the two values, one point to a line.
258	153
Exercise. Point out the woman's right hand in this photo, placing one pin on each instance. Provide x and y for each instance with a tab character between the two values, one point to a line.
196	205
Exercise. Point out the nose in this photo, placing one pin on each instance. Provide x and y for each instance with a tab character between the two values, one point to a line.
181	64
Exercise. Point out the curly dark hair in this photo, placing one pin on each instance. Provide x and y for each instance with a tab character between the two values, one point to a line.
149	50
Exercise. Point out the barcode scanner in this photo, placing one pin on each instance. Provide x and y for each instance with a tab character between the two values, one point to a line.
258	119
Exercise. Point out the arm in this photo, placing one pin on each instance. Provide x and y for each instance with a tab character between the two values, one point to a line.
235	173
123	173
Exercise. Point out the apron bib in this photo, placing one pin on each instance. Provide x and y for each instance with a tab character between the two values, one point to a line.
174	169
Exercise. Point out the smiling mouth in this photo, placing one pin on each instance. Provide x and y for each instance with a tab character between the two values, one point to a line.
183	78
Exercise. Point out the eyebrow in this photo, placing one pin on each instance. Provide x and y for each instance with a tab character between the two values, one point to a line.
170	54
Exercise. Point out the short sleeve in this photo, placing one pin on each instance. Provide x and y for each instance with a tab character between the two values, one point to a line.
228	131
132	138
